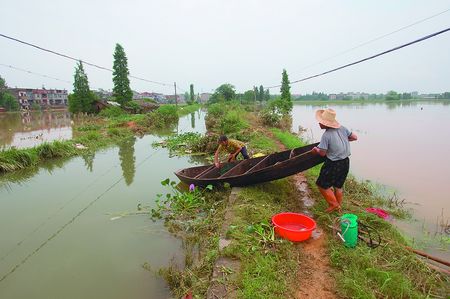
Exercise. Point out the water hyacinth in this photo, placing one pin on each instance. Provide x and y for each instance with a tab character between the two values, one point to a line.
191	187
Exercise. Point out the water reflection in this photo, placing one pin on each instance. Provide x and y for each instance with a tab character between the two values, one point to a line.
193	120
28	129
89	160
127	159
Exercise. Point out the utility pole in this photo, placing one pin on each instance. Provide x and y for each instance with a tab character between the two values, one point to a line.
176	98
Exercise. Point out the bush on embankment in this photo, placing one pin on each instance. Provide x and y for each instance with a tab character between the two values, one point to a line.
162	116
226	118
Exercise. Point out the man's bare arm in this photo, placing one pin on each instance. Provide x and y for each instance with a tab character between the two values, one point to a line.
319	151
352	137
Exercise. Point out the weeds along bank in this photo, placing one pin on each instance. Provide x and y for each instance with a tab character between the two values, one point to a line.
269	265
91	133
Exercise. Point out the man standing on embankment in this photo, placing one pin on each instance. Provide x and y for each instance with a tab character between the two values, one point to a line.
335	145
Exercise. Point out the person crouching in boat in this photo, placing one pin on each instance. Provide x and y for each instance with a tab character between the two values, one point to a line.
335	145
231	146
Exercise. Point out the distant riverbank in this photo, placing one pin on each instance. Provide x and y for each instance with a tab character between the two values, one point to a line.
361	101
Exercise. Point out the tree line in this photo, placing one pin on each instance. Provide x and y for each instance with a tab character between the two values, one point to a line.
7	100
283	103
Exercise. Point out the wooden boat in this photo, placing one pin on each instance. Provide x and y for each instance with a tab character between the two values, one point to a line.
255	170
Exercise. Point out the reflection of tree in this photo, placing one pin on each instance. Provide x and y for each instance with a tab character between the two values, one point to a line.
89	160
392	106
199	160
127	159
193	120
167	131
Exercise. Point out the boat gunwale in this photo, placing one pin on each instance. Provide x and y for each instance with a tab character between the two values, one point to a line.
281	164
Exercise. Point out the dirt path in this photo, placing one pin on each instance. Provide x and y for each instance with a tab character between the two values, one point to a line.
315	277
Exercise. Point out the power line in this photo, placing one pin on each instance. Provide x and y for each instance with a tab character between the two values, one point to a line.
76	59
368	58
373	40
34	73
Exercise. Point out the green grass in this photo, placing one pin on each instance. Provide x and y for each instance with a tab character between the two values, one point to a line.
289	140
268	265
16	159
261	143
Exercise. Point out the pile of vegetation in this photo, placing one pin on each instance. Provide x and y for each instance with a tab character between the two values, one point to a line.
190	143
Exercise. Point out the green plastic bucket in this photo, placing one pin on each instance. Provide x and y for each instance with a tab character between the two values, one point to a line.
349	228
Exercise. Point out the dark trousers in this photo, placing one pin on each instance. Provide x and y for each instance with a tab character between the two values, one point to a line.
243	152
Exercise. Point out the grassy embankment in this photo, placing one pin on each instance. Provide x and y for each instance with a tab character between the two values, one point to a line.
269	265
94	132
389	271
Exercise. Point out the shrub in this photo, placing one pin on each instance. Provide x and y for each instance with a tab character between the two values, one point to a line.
216	110
232	123
54	150
163	116
112	111
132	107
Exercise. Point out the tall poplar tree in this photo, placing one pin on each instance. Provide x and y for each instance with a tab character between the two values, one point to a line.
121	91
286	93
81	100
261	93
192	95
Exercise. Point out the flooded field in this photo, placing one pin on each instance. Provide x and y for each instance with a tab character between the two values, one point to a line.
28	129
405	147
69	228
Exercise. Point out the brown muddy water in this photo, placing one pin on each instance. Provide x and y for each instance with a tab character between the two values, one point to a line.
28	129
68	228
406	147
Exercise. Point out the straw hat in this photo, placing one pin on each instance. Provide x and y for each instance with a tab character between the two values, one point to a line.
327	118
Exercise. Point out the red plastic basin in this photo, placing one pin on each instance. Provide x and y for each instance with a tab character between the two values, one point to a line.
293	226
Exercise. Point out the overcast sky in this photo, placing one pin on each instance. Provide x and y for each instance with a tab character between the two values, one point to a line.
242	42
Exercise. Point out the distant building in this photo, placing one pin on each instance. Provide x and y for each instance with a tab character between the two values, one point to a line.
171	99
26	97
204	97
332	96
103	94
